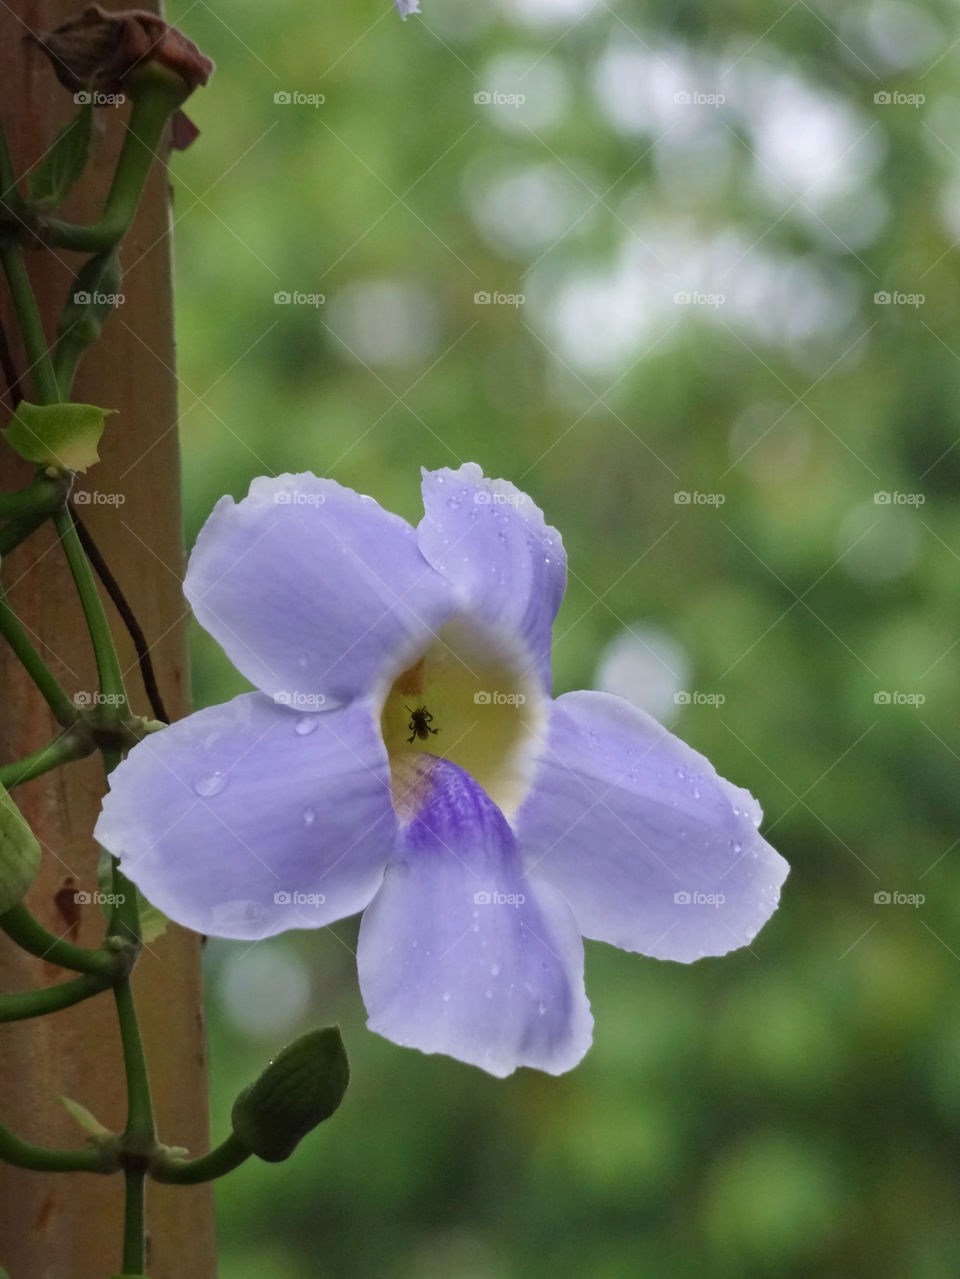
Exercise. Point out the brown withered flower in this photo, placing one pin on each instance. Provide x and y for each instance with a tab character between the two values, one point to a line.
101	50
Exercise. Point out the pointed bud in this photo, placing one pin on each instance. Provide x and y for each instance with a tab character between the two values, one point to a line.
298	1090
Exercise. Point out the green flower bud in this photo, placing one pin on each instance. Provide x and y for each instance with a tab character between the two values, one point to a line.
298	1090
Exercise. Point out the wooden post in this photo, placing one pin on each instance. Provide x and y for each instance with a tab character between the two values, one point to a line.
70	1224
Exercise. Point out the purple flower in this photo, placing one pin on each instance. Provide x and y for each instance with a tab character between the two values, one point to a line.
403	757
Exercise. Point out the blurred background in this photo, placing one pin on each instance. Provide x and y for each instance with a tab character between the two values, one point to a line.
687	274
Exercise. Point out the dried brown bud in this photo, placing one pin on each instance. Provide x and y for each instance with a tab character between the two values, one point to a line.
101	50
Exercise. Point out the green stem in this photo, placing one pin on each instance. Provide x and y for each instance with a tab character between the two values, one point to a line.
108	664
38	1003
30	935
62	750
134	1225
224	1158
41	674
140	1133
24	1154
17	531
157	95
10	199
31	326
44	495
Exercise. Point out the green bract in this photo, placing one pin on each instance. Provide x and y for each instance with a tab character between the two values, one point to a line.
19	854
61	435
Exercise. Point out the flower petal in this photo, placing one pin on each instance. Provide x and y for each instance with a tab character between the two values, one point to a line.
315	593
653	851
459	954
247	819
508	566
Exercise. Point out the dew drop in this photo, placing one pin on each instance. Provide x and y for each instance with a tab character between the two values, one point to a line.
488	994
494	970
681	774
209	784
541	1008
446	996
306	724
309	817
737	848
454	503
696	793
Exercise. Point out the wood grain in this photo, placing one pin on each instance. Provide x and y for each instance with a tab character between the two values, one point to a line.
68	1227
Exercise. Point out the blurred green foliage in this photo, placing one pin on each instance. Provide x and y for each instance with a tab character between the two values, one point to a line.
791	1109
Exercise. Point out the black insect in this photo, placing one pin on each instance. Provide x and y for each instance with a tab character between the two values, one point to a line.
419	726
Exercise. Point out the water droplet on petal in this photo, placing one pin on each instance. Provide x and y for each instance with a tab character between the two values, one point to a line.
737	848
306	724
488	994
446	996
210	784
541	1008
494	970
454	502
309	816
681	774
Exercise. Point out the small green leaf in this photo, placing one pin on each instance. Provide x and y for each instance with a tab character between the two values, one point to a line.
298	1090
63	435
51	180
19	854
153	922
90	1124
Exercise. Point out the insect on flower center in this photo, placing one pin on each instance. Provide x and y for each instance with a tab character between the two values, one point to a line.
469	699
